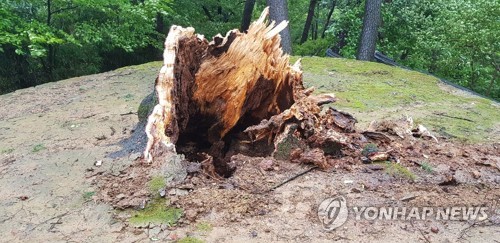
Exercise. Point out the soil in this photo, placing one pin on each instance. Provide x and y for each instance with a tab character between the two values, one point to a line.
71	158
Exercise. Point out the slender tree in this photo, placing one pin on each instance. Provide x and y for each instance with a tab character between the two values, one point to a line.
278	11
309	19
371	22
330	13
247	15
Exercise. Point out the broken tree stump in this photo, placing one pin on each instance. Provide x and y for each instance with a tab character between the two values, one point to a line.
209	93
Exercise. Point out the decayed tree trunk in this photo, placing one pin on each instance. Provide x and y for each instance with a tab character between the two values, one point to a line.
209	90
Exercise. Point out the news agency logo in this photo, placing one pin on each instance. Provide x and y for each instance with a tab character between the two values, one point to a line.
333	213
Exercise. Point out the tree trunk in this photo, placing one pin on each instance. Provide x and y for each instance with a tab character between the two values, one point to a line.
492	82
207	13
341	41
160	26
50	54
472	81
315	30
309	19
212	94
278	12
329	17
371	22
247	15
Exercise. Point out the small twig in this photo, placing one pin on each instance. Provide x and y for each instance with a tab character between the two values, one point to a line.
474	224
293	178
55	217
422	233
113	131
454	117
89	116
464	231
211	176
128	113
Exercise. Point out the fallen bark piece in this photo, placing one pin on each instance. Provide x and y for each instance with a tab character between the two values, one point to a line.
378	156
341	120
314	156
377	136
401	127
422	131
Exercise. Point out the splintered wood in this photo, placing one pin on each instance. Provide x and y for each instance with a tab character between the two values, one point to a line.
238	90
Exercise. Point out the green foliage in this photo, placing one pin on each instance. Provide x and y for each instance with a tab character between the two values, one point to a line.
369	148
348	20
208	17
426	166
313	47
40	44
454	39
37	148
88	195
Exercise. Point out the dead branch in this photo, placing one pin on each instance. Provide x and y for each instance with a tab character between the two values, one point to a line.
293	178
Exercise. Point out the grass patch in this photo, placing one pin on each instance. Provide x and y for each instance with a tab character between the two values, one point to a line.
88	195
426	166
156	183
7	151
190	239
157	212
204	227
128	97
397	170
37	148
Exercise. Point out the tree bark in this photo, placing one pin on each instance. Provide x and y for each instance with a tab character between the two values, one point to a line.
278	12
371	22
329	17
247	15
309	19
